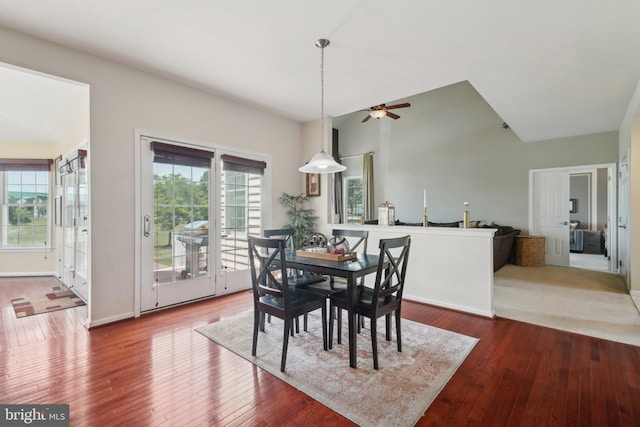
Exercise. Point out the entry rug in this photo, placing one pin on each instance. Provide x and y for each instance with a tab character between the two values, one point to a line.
58	299
397	394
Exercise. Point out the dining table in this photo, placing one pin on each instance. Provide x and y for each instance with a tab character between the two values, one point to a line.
351	269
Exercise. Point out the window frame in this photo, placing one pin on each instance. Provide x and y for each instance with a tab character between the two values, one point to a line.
25	166
253	166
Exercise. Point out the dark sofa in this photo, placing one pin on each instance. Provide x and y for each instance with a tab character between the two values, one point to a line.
503	240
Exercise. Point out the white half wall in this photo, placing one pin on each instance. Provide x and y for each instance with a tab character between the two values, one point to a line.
448	267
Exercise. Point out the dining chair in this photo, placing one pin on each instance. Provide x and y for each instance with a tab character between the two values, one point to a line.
294	277
272	294
386	295
357	242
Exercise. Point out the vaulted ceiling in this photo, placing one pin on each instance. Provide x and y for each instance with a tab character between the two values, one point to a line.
550	69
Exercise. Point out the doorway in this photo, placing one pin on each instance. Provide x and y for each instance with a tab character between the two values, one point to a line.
47	117
570	211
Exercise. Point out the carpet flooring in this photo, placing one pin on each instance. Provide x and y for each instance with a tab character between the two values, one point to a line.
397	394
582	301
59	298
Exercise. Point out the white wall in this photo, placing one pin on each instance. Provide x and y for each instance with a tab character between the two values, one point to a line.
451	142
123	99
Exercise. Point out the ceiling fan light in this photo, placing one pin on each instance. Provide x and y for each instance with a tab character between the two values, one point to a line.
377	114
322	163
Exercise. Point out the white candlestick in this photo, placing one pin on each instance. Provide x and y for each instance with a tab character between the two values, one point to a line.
425	198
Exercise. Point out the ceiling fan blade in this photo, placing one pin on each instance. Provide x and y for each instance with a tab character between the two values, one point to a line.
393	116
366	118
405	105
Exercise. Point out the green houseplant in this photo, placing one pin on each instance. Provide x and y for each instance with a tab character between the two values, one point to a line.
301	219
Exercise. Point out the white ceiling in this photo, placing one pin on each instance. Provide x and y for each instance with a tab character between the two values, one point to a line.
38	108
549	68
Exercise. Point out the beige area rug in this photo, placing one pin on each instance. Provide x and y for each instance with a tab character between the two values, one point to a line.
58	299
586	302
396	395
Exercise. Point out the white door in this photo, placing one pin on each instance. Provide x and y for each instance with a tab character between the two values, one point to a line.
177	223
75	240
623	219
550	216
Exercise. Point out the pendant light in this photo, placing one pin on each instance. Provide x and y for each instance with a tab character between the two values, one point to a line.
322	162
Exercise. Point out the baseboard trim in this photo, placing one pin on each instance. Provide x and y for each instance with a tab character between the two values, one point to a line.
635	297
107	320
30	274
448	306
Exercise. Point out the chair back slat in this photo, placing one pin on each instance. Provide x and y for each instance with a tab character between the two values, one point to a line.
282	233
262	253
362	237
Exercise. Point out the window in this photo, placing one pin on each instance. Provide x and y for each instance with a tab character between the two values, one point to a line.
24	195
240	209
353	201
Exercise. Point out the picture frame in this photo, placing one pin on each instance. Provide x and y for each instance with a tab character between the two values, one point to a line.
573	206
313	185
56	165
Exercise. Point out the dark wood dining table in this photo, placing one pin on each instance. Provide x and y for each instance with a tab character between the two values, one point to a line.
351	270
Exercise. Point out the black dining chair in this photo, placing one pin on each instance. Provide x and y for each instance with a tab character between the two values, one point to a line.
272	294
357	242
386	295
294	277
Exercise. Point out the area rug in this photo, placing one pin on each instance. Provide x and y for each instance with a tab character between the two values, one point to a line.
397	394
58	299
582	301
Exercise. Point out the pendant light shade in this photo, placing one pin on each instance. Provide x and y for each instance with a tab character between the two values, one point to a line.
322	162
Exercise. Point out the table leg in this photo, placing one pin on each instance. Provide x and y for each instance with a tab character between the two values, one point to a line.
353	347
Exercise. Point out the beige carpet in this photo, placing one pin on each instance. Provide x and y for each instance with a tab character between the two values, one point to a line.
396	395
576	300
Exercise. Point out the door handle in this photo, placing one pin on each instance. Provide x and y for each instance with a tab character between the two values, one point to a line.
564	223
147	226
622	226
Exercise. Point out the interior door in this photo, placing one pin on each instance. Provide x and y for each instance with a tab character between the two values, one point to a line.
177	223
550	213
623	219
75	237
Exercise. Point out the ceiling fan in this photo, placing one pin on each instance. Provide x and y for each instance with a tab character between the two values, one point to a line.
382	110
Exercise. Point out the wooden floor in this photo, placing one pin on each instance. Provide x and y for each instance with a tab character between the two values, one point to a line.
157	371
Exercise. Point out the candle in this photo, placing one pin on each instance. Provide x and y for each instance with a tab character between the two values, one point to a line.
425	198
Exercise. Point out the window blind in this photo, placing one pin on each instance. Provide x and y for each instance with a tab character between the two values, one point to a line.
240	164
179	155
37	165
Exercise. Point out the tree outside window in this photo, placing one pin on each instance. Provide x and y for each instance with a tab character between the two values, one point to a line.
353	200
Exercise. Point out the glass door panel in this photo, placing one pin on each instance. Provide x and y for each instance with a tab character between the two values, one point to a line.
177	225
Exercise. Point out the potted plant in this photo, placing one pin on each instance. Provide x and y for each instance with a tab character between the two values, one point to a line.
301	219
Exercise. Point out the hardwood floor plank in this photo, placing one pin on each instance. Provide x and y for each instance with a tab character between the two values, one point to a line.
157	371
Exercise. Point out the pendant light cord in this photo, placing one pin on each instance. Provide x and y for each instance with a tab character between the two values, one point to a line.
322	98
